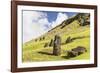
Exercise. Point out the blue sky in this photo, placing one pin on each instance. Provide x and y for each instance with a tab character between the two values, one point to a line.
52	16
36	23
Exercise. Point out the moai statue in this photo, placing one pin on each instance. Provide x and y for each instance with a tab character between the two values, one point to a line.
46	45
57	45
51	43
69	40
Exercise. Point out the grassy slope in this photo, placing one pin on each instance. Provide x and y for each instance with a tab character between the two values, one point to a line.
35	51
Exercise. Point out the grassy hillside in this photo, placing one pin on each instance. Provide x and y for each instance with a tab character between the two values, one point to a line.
34	50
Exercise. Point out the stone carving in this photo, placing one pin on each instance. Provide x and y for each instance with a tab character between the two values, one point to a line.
57	45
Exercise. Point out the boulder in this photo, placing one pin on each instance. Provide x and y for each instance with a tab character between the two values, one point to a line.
80	50
76	51
72	53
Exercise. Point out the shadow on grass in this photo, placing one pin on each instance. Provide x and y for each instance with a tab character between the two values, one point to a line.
46	53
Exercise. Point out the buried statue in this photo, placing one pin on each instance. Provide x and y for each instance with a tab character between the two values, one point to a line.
76	51
70	53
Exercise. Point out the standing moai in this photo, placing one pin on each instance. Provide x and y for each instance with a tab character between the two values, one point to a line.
57	45
51	43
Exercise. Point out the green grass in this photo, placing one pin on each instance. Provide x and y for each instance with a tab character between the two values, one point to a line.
35	51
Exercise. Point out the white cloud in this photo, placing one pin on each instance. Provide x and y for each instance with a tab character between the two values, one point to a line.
60	18
33	24
36	23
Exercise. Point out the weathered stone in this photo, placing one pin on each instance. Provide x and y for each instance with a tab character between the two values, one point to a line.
69	40
79	49
76	51
72	53
57	45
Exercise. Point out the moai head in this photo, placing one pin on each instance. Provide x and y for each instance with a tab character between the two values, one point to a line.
57	40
